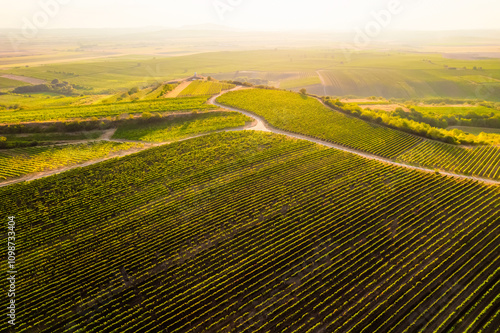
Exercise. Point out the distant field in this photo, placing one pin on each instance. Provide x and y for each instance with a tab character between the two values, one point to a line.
448	111
305	115
303	80
153	92
105	110
176	128
475	130
9	83
45	100
387	74
50	57
395	83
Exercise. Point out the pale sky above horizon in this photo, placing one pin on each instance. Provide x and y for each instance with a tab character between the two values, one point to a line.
251	14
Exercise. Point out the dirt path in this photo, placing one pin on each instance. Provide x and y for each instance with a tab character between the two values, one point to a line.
37	175
107	136
259	124
268	128
30	80
323	82
174	93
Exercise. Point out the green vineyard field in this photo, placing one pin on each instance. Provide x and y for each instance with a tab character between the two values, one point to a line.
177	128
254	232
482	161
104	110
305	115
21	161
204	88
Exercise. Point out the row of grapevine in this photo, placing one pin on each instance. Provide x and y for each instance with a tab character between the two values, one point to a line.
21	161
254	232
483	161
105	110
205	88
177	128
305	115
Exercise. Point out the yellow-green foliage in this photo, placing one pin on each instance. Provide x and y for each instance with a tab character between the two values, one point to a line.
204	88
175	128
306	115
21	161
105	110
481	161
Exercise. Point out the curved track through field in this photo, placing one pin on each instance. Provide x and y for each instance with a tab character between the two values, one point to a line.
263	126
259	124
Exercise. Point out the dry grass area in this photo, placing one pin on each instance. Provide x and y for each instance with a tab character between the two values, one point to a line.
174	93
357	100
26	79
447	105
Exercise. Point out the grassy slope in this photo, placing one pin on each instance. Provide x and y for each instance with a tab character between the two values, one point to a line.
9	83
45	100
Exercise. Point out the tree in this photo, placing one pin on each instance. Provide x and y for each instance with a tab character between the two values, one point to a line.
134	90
146	115
55	81
303	91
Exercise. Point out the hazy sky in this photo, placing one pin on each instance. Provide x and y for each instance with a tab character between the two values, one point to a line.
251	14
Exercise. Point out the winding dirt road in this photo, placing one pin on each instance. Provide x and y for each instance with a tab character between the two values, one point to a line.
259	124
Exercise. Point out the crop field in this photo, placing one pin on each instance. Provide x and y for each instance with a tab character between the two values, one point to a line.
456	110
180	127
255	232
304	79
306	115
481	161
398	83
21	161
41	100
392	75
205	88
105	110
268	78
8	83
